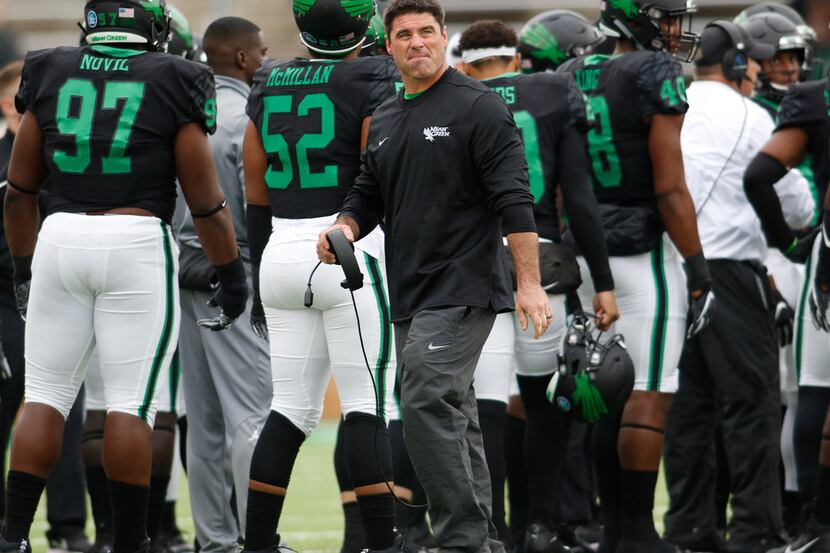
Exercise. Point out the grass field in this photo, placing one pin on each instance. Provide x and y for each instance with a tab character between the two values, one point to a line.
312	519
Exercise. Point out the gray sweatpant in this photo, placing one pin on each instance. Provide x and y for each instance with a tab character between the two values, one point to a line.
227	387
438	351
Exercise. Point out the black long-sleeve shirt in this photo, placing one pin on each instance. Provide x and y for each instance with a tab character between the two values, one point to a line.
446	172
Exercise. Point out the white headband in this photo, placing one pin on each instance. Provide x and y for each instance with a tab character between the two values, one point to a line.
470	56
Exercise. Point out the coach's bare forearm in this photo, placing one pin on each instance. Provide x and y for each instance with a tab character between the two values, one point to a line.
21	221
524	248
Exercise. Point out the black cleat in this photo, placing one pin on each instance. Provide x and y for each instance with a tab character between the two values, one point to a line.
539	539
72	540
814	539
23	546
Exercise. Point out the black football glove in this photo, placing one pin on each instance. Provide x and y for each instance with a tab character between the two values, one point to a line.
801	248
702	306
231	296
22	283
21	297
784	319
258	322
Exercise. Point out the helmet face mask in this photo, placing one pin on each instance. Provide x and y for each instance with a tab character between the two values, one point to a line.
115	22
333	27
595	376
653	25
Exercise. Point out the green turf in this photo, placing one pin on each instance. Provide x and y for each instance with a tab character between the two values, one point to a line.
312	519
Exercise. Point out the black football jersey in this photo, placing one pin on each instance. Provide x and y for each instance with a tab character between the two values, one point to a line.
544	106
623	93
309	114
807	106
109	118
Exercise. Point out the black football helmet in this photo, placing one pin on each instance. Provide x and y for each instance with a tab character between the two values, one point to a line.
806	32
777	31
640	22
334	27
595	376
553	37
181	38
116	22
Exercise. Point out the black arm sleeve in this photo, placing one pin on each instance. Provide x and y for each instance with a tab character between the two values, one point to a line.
259	230
364	202
582	208
760	176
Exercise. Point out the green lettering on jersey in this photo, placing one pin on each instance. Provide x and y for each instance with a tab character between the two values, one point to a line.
673	91
299	76
78	123
92	63
210	112
530	137
587	79
508	93
358	8
628	7
545	44
302	7
279	150
605	161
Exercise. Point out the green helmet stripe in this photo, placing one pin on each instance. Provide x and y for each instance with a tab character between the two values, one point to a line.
357	8
155	8
547	47
628	7
302	7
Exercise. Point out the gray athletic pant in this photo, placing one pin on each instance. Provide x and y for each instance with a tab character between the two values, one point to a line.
438	351
227	388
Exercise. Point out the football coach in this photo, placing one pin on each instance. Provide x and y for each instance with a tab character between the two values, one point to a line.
445	172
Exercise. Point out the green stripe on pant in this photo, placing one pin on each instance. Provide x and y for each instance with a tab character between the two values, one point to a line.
382	363
658	333
167	328
800	314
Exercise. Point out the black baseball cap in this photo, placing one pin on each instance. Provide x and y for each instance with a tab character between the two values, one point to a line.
715	41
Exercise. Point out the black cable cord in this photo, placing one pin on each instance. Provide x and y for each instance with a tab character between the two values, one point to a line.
378	408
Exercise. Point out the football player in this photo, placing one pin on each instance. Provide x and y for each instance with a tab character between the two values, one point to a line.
775	77
553	134
803	129
109	125
638	100
309	119
167	390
